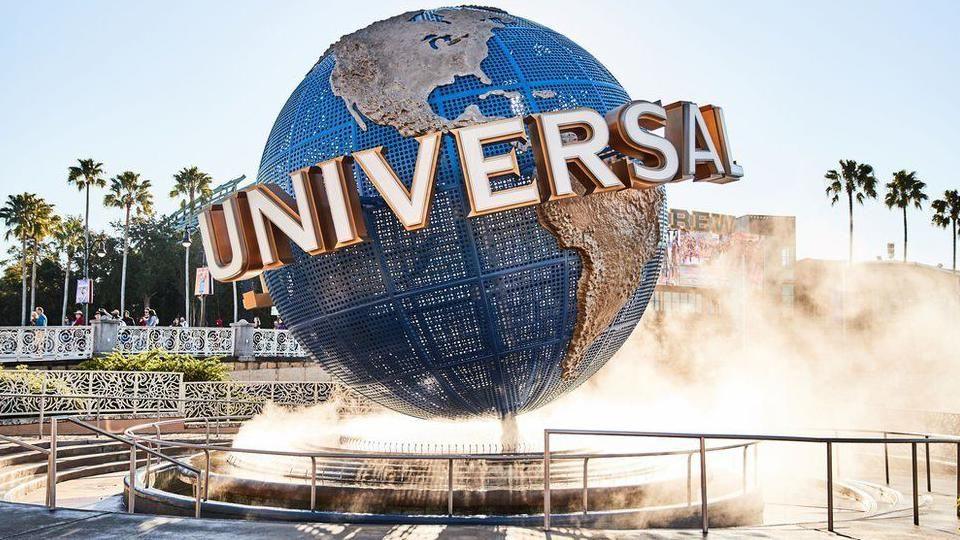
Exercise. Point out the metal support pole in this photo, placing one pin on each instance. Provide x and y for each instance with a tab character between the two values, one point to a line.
957	468
916	495
186	280
146	471
131	495
207	422
926	455
886	460
703	485
450	487
198	494
52	467
689	479
830	486
206	474
743	481
313	484
546	480
585	485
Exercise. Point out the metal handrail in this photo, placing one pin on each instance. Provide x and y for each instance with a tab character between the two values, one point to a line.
450	458
913	441
134	446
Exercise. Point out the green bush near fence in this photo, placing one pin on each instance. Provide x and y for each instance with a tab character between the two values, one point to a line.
194	369
34	381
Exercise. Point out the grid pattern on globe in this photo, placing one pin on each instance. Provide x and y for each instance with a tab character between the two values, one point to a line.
466	316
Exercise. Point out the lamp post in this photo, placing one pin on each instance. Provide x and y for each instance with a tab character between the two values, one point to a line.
186	274
102	249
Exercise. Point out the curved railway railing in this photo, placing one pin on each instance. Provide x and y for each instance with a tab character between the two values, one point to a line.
149	434
148	438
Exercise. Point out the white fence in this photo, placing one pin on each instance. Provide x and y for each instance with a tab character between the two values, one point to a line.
46	343
36	393
24	344
196	341
280	343
46	392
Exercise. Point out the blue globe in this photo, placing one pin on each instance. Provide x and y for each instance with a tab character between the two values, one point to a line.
468	316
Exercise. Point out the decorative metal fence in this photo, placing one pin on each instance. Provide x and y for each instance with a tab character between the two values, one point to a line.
32	393
280	343
198	341
239	398
26	344
40	393
46	343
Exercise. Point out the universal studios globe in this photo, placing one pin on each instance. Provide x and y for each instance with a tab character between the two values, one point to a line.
491	315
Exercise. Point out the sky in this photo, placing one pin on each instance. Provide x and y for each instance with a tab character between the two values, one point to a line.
156	86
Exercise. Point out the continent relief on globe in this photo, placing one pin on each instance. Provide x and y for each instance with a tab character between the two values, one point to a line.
387	71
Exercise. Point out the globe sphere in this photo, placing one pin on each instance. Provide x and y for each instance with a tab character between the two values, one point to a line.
470	316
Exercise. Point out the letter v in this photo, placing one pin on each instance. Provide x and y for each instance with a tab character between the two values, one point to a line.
411	207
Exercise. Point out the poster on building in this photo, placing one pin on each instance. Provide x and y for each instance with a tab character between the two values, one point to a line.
705	250
84	291
204	283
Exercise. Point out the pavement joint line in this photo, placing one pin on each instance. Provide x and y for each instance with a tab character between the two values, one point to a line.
61	524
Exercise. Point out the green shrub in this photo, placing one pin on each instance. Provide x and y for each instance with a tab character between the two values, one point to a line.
194	369
33	379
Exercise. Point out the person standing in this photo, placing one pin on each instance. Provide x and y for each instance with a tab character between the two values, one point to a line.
78	319
41	317
127	319
152	319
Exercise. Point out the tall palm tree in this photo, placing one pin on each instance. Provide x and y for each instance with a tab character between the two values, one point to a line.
131	193
857	182
947	213
902	191
43	222
17	215
86	174
194	186
68	239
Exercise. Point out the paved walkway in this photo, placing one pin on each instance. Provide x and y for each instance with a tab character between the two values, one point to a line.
36	522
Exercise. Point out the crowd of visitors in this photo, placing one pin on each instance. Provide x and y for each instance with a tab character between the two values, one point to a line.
149	318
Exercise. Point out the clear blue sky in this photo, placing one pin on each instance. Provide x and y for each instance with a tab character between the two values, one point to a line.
155	86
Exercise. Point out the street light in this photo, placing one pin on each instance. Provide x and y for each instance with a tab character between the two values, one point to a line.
102	248
185	242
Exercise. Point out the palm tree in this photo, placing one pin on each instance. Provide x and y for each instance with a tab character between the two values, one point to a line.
194	185
17	215
856	180
131	193
43	222
68	238
86	174
905	189
947	213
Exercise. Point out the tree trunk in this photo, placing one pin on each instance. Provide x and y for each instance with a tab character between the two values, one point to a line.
33	280
904	234
123	271
954	245
850	240
66	290
86	254
23	282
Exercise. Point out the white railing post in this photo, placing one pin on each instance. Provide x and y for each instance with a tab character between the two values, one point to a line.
243	340
52	467
105	333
